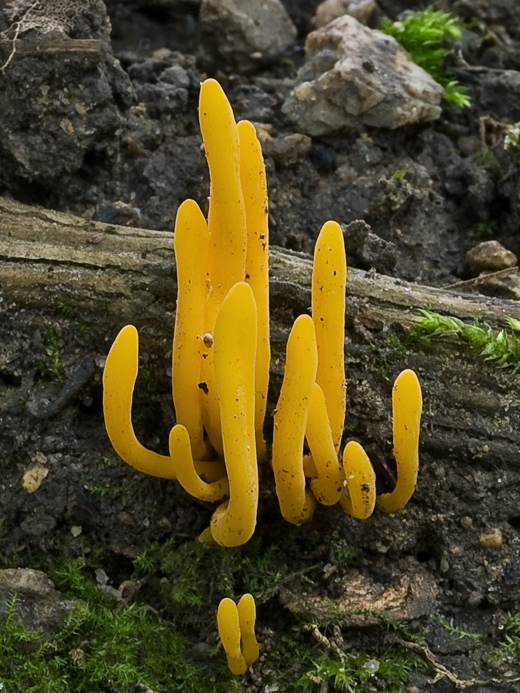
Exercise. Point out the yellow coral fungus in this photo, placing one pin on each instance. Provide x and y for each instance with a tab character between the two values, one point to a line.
191	242
227	230
328	485
329	278
236	627
290	421
186	473
229	631
118	387
247	617
254	188
220	365
233	523
360	481
407	408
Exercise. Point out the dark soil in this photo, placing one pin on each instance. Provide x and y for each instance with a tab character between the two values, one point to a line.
132	161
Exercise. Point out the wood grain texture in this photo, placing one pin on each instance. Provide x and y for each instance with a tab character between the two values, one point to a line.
472	408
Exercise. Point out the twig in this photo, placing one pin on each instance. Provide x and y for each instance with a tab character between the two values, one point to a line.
442	672
482	278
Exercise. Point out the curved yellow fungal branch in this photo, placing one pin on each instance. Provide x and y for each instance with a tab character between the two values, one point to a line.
247	617
229	631
227	217
227	229
329	278
233	523
119	379
407	407
191	241
328	485
254	189
360	480
186	473
290	422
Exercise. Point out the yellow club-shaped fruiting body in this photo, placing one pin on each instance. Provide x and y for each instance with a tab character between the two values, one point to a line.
227	231
329	278
229	631
119	379
328	485
290	422
254	189
233	523
247	617
191	241
360	480
407	408
186	473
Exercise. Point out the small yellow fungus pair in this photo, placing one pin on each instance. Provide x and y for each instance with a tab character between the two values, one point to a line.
236	627
221	355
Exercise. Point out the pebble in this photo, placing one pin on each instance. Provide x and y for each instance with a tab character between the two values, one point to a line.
354	76
489	256
247	32
492	539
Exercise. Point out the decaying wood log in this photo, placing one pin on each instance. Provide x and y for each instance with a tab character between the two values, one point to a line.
472	408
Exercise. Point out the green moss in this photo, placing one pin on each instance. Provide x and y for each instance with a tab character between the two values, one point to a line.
167	639
50	367
314	668
102	647
82	326
503	347
486	158
509	650
427	36
460	632
192	571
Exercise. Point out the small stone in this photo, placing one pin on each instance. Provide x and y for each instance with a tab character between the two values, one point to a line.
466	522
78	657
372	666
39	458
76	530
327	11
33	478
489	256
175	75
285	150
246	32
39	606
101	577
493	539
354	76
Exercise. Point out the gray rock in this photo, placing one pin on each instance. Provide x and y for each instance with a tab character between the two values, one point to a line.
353	77
175	75
56	105
285	150
39	606
246	32
328	10
489	256
368	250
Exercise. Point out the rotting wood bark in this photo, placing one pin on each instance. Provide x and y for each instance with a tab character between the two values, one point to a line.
472	408
50	256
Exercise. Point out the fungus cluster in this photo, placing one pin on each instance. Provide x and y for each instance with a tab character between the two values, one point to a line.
220	362
236	627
